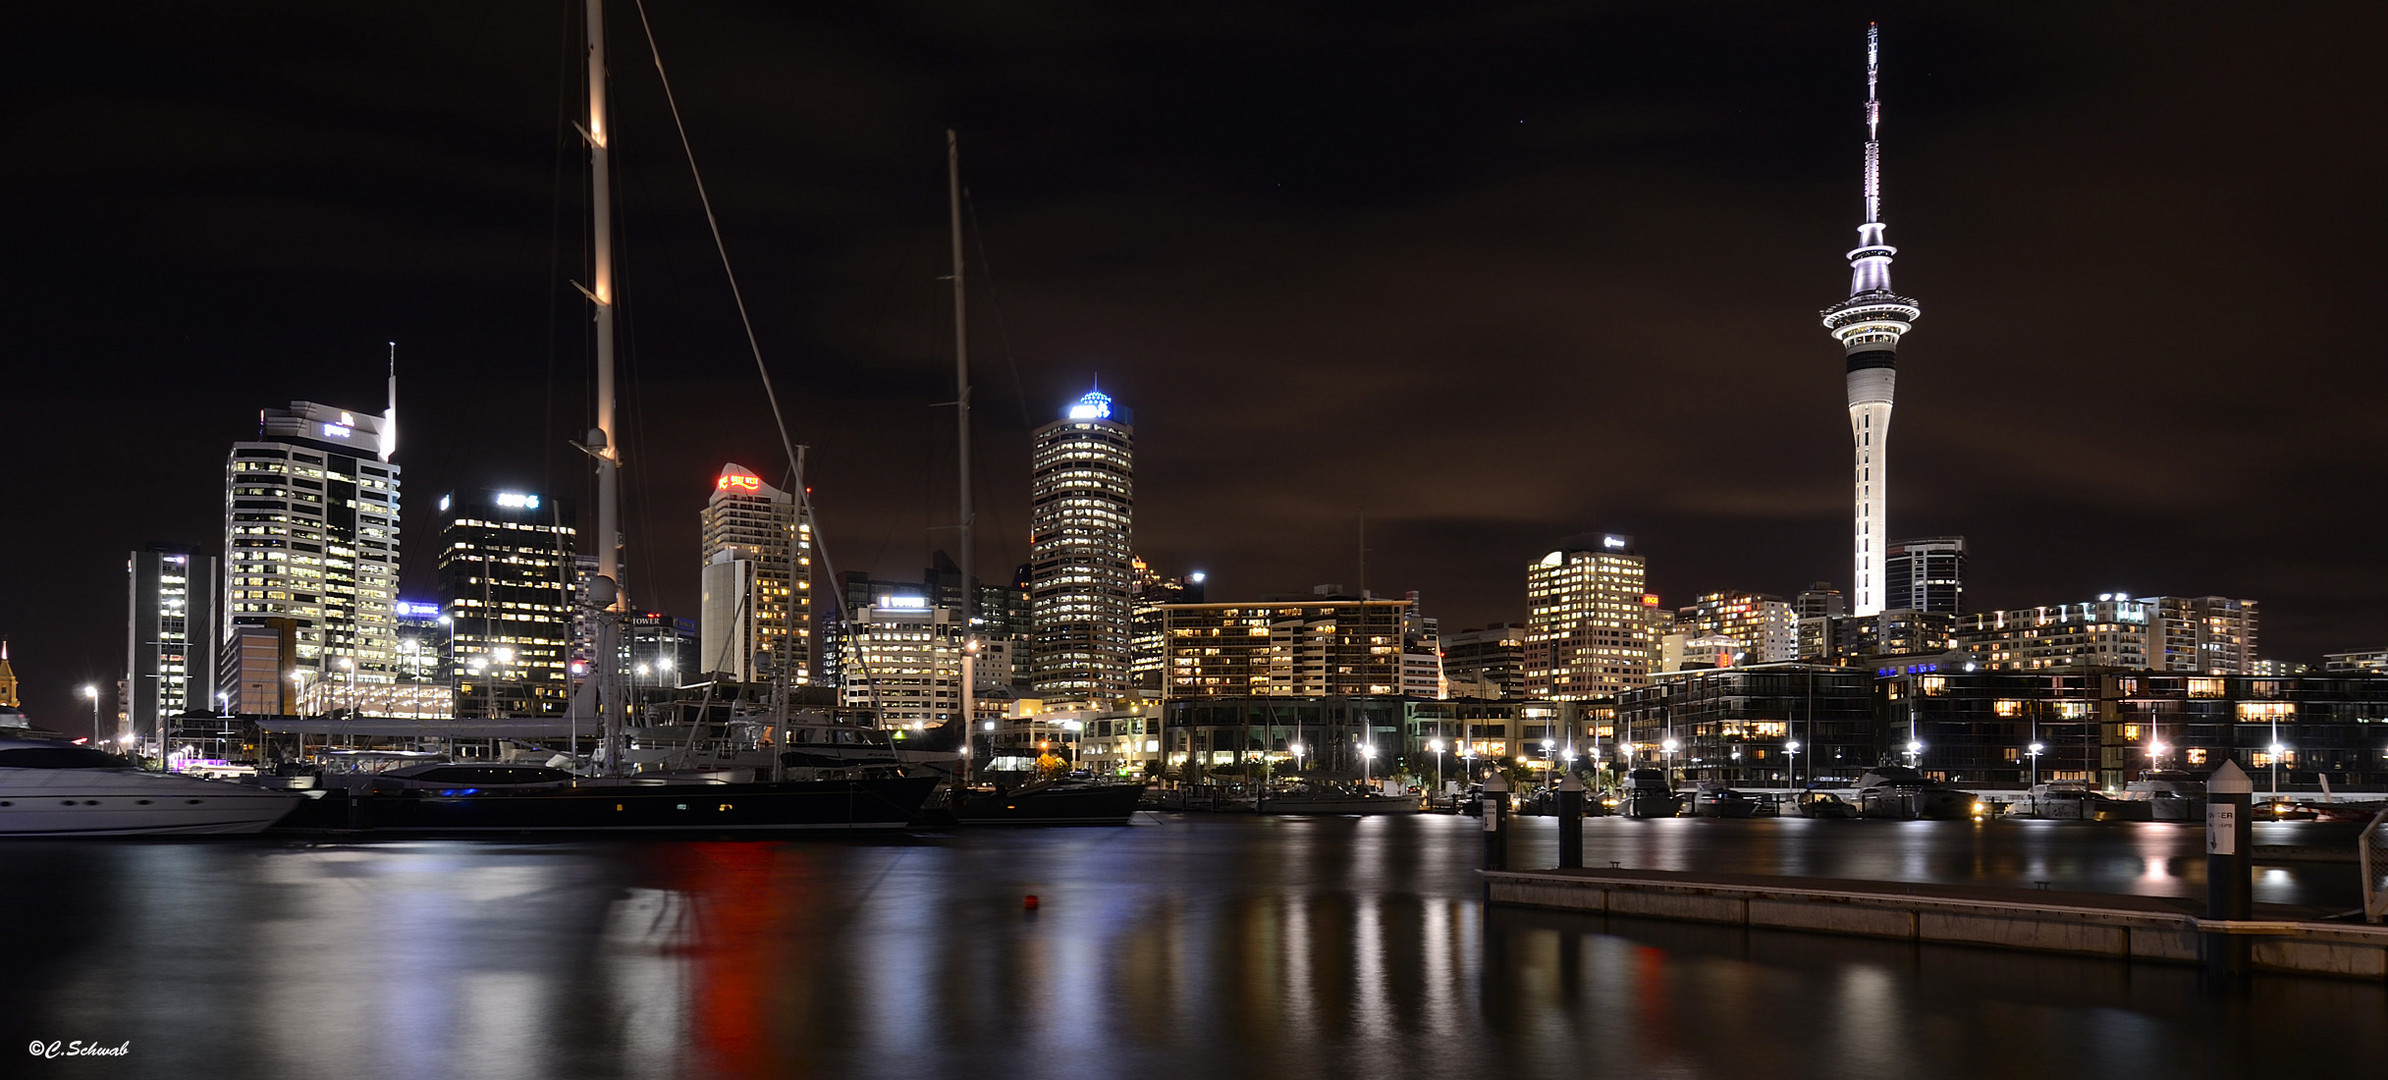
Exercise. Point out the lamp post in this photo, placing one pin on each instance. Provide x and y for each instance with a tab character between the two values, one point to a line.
1670	746
2033	752
1367	754
2275	748
1915	754
1791	750
92	692
1297	755
1436	745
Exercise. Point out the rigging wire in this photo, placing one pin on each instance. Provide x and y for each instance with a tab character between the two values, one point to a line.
804	508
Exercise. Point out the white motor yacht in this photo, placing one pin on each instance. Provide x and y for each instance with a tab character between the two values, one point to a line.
60	789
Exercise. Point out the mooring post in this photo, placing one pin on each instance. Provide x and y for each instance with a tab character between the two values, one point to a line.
2230	864
1571	822
1496	827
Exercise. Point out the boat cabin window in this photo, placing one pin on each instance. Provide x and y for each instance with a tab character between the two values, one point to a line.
60	757
485	774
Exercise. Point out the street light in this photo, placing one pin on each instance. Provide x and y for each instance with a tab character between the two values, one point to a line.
1915	754
2276	749
1670	746
1436	745
1367	754
92	692
1791	750
1296	748
2033	752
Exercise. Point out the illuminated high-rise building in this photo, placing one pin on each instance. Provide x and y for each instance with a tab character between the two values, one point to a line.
1925	575
311	543
170	640
509	587
1868	325
1587	620
756	619
1081	547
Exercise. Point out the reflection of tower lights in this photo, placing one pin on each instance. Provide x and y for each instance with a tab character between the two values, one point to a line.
1868	325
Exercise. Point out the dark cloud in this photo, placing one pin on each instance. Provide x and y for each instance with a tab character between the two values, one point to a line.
1488	275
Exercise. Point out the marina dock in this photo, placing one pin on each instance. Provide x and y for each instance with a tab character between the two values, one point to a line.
2125	927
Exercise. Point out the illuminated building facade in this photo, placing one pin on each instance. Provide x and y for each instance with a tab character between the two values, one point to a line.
2358	662
756	623
1762	629
1588	620
170	640
509	587
1148	647
1316	646
903	659
2107	728
1486	663
2210	635
1926	575
1772	724
1081	549
311	538
1868	326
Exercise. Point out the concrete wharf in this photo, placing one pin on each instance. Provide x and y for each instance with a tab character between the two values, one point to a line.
2125	927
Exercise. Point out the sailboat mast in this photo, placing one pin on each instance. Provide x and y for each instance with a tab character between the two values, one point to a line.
953	178
601	194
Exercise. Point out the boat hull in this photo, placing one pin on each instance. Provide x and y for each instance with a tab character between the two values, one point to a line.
1338	805
91	802
615	807
1101	804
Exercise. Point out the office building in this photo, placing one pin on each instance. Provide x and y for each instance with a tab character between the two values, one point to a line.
509	585
1148	652
311	540
1925	575
1762	628
1769	724
1489	662
1868	327
1081	547
663	649
1819	600
1588	623
903	660
1422	654
1319	645
170	639
256	669
756	560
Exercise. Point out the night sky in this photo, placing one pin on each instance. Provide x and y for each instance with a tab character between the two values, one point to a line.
1487	275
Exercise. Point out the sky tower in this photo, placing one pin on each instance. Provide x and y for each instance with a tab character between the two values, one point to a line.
1868	326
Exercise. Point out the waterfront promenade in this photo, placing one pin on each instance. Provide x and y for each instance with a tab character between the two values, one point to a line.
1183	946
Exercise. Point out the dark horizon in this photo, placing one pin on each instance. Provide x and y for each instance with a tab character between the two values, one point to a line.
1489	277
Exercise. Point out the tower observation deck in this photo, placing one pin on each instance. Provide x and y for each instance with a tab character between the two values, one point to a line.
1868	325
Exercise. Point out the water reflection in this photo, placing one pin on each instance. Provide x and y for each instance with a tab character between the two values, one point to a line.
1191	947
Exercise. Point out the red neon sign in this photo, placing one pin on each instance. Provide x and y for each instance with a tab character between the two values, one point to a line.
734	478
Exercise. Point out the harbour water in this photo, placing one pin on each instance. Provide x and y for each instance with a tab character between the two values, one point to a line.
1193	946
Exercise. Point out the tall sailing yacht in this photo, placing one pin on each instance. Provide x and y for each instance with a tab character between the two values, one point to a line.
453	797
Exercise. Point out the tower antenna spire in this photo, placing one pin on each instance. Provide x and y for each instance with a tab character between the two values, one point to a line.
1873	124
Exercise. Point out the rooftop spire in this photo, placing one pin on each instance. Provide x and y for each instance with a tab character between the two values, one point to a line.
1873	125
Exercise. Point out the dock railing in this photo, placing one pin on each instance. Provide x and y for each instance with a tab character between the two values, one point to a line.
2372	853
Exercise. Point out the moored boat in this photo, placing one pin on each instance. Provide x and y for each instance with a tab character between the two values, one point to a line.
1316	798
60	789
1716	800
454	798
1648	795
1901	793
1063	801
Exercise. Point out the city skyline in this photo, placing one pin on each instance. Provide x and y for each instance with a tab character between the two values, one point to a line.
2054	454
